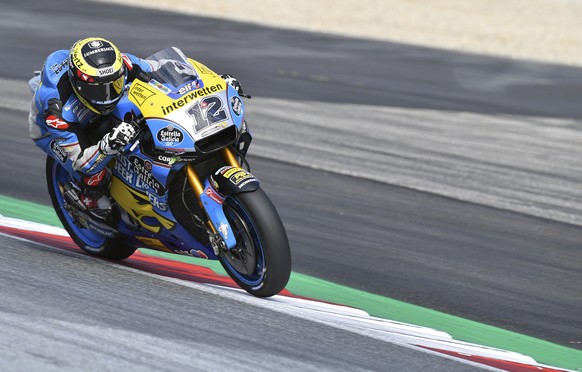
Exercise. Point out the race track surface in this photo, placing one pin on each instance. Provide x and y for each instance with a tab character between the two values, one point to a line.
108	321
499	267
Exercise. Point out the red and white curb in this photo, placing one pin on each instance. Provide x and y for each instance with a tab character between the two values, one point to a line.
338	316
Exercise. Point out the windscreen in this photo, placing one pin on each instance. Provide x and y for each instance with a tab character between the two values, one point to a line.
170	66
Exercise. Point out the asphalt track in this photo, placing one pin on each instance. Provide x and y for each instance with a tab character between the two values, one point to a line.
108	321
501	268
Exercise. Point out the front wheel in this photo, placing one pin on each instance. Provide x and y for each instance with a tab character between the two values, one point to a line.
88	240
260	263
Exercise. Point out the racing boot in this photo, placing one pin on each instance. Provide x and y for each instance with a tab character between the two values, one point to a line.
94	196
97	203
90	196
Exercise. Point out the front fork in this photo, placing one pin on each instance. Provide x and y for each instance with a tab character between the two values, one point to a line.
221	235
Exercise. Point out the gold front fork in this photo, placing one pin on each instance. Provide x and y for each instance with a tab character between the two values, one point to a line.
194	180
229	157
196	184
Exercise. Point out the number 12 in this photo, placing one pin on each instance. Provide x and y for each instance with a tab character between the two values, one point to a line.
207	112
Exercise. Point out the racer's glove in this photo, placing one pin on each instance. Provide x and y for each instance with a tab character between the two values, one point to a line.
117	139
134	71
53	115
233	82
137	73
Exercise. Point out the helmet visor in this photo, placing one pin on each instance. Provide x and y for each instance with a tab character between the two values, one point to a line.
101	94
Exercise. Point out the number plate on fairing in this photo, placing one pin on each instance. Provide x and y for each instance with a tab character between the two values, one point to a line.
177	121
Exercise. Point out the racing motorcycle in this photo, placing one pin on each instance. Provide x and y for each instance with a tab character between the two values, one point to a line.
184	186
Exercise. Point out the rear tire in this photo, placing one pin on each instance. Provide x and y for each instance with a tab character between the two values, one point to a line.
88	240
261	262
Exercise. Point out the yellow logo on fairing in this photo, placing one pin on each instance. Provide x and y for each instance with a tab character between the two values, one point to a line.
138	206
140	92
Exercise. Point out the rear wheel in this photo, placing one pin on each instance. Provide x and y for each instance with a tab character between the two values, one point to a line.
261	261
88	240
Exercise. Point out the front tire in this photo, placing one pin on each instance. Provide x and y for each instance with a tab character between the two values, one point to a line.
261	261
89	241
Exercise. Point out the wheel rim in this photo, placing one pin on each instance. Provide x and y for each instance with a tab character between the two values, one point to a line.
90	238
246	261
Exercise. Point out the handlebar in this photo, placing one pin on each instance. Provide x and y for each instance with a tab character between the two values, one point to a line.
138	123
143	76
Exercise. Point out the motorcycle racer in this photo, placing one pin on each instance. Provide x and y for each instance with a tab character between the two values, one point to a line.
78	89
69	116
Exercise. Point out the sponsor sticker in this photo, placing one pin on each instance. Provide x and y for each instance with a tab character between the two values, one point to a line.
213	195
232	170
145	179
94	51
140	93
239	177
95	179
164	159
176	150
56	122
253	179
170	136
105	71
156	202
95	44
58	67
223	228
98	229
141	168
76	60
58	151
97	161
156	84
213	129
188	87
191	97
236	105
